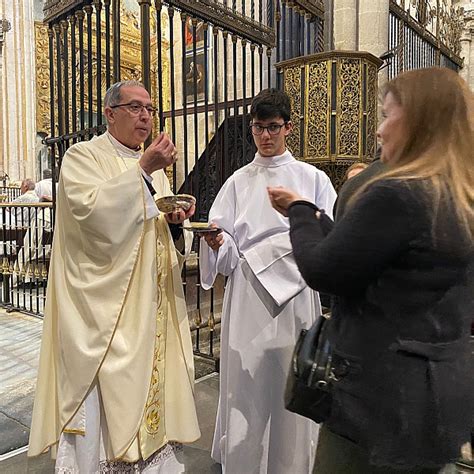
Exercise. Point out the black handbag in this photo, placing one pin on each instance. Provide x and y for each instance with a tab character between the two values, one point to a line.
309	384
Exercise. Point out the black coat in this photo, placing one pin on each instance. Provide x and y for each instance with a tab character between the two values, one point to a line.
401	320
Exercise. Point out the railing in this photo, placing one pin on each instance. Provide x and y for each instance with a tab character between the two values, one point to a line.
202	61
25	246
9	193
424	33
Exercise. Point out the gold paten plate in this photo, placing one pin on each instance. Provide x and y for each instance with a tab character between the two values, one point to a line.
169	204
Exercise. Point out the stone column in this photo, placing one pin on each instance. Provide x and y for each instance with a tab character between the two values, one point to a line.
469	29
5	26
345	21
373	29
18	85
466	45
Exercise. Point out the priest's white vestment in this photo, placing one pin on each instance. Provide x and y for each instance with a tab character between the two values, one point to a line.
266	304
115	326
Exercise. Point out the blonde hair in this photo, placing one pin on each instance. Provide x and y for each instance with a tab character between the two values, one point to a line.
355	166
439	146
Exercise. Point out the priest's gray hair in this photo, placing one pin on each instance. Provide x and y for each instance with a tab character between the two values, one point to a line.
28	183
112	96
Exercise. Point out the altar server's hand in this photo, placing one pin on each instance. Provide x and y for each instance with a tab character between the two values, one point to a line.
180	215
214	239
160	154
281	198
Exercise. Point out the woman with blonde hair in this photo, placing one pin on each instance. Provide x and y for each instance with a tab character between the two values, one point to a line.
400	263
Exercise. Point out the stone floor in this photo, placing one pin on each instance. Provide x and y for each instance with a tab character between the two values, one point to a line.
20	337
197	457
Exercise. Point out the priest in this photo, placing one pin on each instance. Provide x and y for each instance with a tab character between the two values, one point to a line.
266	302
116	375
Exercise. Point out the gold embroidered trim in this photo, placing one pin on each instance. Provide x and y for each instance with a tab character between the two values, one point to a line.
154	409
74	431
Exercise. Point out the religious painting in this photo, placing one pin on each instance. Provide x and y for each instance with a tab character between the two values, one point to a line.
194	74
189	35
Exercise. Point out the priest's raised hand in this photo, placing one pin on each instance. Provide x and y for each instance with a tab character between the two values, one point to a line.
180	215
160	154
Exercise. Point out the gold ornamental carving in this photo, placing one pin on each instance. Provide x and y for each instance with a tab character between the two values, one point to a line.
317	128
42	78
349	96
293	81
334	96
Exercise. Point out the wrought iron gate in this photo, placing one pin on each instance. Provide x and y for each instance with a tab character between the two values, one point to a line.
424	33
202	61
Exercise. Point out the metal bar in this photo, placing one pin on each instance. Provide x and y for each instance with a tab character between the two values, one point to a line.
234	97
72	21
90	69
225	146
145	48
291	32
145	42
269	66
206	120
252	69
80	21
184	19
116	33
65	60
172	90
279	42
161	122
219	177
98	39
108	67
195	72
284	21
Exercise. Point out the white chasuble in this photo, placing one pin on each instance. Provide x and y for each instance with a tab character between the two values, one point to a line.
266	304
115	316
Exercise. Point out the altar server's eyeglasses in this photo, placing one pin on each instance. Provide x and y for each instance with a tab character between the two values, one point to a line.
273	128
135	108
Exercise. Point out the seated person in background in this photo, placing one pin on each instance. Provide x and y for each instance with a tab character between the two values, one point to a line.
44	188
28	196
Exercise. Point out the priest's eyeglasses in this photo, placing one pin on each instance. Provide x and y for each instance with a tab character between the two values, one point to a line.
272	129
136	108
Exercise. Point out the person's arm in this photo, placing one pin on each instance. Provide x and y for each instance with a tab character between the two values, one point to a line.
361	246
224	257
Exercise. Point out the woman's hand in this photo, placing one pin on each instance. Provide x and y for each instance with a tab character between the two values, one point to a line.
281	198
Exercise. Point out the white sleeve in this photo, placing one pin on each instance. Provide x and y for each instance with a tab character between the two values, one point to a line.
227	257
325	194
213	262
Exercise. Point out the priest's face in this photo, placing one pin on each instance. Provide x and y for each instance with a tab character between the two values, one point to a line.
270	135
127	122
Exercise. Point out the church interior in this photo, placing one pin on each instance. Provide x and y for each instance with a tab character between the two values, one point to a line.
202	62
